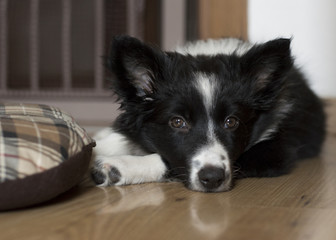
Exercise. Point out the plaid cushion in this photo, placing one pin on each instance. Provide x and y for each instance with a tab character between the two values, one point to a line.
34	138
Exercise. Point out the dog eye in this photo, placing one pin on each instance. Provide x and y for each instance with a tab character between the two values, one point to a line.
231	123
179	123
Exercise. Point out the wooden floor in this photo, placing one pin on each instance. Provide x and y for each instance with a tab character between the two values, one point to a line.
301	205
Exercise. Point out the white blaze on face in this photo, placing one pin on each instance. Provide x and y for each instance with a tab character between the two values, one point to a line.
212	153
206	85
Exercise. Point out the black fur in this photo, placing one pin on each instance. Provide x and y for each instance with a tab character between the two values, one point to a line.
261	88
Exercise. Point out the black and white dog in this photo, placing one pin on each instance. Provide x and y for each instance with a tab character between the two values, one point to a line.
209	113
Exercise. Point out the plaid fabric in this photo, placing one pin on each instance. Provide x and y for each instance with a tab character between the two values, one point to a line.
34	138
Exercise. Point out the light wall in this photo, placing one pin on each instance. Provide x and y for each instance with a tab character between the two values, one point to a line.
312	24
173	23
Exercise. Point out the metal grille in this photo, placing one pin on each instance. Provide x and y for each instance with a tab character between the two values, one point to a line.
52	48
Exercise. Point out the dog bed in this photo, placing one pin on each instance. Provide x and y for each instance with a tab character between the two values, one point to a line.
43	153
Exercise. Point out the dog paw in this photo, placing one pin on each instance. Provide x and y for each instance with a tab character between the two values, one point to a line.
98	177
114	175
105	175
127	169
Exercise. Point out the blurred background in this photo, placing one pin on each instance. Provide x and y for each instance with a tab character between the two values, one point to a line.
51	50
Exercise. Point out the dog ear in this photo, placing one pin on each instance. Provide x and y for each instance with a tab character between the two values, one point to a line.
265	67
267	63
136	66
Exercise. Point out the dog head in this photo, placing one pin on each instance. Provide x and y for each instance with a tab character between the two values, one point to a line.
200	113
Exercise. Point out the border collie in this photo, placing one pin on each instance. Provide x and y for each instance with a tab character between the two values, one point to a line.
206	114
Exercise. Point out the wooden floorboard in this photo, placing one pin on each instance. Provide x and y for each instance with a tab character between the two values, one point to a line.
300	205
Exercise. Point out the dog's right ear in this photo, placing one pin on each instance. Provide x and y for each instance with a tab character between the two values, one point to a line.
136	67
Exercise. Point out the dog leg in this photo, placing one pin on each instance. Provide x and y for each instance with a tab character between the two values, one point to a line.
266	159
128	169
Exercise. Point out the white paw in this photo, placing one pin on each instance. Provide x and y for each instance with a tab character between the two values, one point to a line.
127	169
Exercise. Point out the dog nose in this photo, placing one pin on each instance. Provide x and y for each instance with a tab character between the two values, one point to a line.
211	177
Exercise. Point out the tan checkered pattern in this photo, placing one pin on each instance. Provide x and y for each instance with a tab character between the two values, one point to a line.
34	138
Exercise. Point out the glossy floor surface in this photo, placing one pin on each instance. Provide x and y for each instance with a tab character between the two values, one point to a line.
301	205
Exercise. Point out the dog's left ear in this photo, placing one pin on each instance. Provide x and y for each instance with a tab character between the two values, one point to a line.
136	67
267	64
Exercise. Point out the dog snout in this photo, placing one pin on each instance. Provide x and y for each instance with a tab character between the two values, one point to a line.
211	177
